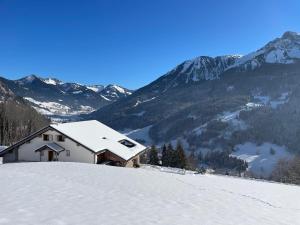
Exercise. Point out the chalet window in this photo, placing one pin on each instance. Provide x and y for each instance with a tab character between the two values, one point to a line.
46	137
68	153
127	143
42	153
10	151
60	138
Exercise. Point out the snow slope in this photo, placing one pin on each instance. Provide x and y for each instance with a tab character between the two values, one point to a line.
75	193
283	50
55	108
52	81
260	160
139	134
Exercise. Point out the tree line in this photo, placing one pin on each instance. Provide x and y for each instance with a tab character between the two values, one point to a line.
219	160
287	171
177	158
170	157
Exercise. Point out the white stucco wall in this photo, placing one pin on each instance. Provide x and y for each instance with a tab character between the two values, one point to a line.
77	153
130	162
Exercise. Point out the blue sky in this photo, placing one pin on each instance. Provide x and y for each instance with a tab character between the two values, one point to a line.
131	42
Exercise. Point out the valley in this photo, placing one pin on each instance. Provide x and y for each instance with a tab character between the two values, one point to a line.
208	103
62	101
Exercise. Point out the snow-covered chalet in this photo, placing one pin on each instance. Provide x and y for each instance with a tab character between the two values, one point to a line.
86	142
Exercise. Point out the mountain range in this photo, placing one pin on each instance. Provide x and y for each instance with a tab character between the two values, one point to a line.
193	86
58	100
219	103
224	103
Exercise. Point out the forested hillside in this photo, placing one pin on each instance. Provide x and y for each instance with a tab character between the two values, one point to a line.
17	118
241	105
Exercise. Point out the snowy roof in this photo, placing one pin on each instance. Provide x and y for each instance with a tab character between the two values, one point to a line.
2	148
96	136
55	147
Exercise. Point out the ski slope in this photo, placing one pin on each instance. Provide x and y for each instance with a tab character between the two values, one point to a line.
74	193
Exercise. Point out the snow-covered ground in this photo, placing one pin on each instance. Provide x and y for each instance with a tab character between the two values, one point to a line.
274	103
52	81
139	134
2	147
232	118
58	109
261	160
75	193
138	102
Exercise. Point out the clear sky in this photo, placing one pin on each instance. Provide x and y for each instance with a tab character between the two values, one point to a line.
131	42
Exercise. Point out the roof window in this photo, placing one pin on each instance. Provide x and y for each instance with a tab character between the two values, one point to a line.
127	143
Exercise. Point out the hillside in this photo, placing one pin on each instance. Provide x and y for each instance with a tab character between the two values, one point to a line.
219	103
17	118
60	100
77	193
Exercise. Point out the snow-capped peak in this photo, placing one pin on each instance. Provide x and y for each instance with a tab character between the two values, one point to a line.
28	79
52	81
118	89
291	35
204	67
109	89
96	88
114	92
283	50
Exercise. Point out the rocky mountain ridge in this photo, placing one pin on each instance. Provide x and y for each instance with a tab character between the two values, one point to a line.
55	98
218	104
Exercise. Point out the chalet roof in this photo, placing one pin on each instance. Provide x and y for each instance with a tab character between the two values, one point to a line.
53	146
98	137
2	148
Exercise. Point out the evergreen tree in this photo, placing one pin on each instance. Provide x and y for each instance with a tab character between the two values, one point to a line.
192	161
164	156
171	156
272	151
200	157
153	156
180	157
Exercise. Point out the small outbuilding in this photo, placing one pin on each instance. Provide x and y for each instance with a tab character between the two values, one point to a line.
85	141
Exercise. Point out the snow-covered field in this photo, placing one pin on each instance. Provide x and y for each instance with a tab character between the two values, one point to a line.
74	193
260	159
139	134
55	108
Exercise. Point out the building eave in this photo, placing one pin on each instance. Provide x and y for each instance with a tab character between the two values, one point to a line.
141	152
